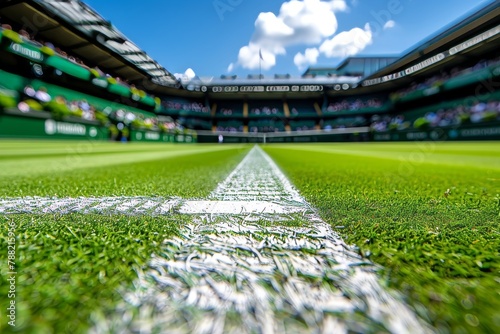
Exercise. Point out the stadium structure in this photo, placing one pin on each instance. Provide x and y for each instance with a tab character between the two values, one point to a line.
366	237
67	73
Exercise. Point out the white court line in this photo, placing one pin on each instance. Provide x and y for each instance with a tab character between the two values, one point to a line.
186	280
237	207
225	242
90	205
143	206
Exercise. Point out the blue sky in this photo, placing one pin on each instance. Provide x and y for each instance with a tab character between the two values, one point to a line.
214	37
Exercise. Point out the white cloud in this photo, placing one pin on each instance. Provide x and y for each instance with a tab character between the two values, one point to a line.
230	68
347	43
389	24
339	5
299	22
187	76
310	57
302	22
249	57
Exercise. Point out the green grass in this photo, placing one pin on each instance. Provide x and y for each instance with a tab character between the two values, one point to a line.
71	264
74	267
429	213
65	169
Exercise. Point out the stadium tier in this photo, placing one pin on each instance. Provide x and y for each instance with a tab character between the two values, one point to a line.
80	80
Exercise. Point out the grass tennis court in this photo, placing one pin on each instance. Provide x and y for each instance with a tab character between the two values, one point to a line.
428	213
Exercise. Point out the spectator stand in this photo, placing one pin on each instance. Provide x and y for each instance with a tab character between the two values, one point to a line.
302	125
33	109
464	112
266	116
265	109
266	125
41	59
303	109
190	114
231	126
230	110
184	107
303	115
450	80
344	122
33	98
362	105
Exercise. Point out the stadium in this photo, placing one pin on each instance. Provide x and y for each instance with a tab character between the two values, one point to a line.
361	197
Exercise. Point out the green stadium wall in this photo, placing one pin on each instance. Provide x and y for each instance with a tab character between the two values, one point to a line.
22	127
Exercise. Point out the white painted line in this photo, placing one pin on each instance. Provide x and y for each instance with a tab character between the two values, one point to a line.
89	205
257	178
265	275
237	207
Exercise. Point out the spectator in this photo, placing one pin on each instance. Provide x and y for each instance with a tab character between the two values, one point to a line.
42	95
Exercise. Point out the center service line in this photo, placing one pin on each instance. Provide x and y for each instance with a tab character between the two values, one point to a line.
233	273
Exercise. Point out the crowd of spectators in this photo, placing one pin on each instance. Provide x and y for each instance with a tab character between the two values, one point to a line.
39	99
36	100
265	110
170	125
475	113
303	126
344	122
229	127
31	38
354	104
188	106
440	78
226	111
265	126
35	40
386	122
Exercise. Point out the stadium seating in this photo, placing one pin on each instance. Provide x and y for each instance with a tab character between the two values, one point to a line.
40	79
454	78
229	109
265	109
357	105
303	125
184	107
299	108
266	125
230	126
42	56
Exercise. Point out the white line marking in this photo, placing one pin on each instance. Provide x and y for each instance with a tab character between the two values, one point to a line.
142	206
231	273
257	178
237	207
88	205
264	276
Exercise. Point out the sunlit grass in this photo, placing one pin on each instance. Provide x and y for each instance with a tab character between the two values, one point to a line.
427	212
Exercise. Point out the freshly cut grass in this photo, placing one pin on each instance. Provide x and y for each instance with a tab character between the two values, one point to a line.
74	267
428	212
66	169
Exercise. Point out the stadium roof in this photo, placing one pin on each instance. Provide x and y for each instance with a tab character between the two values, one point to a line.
480	31
352	66
95	38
